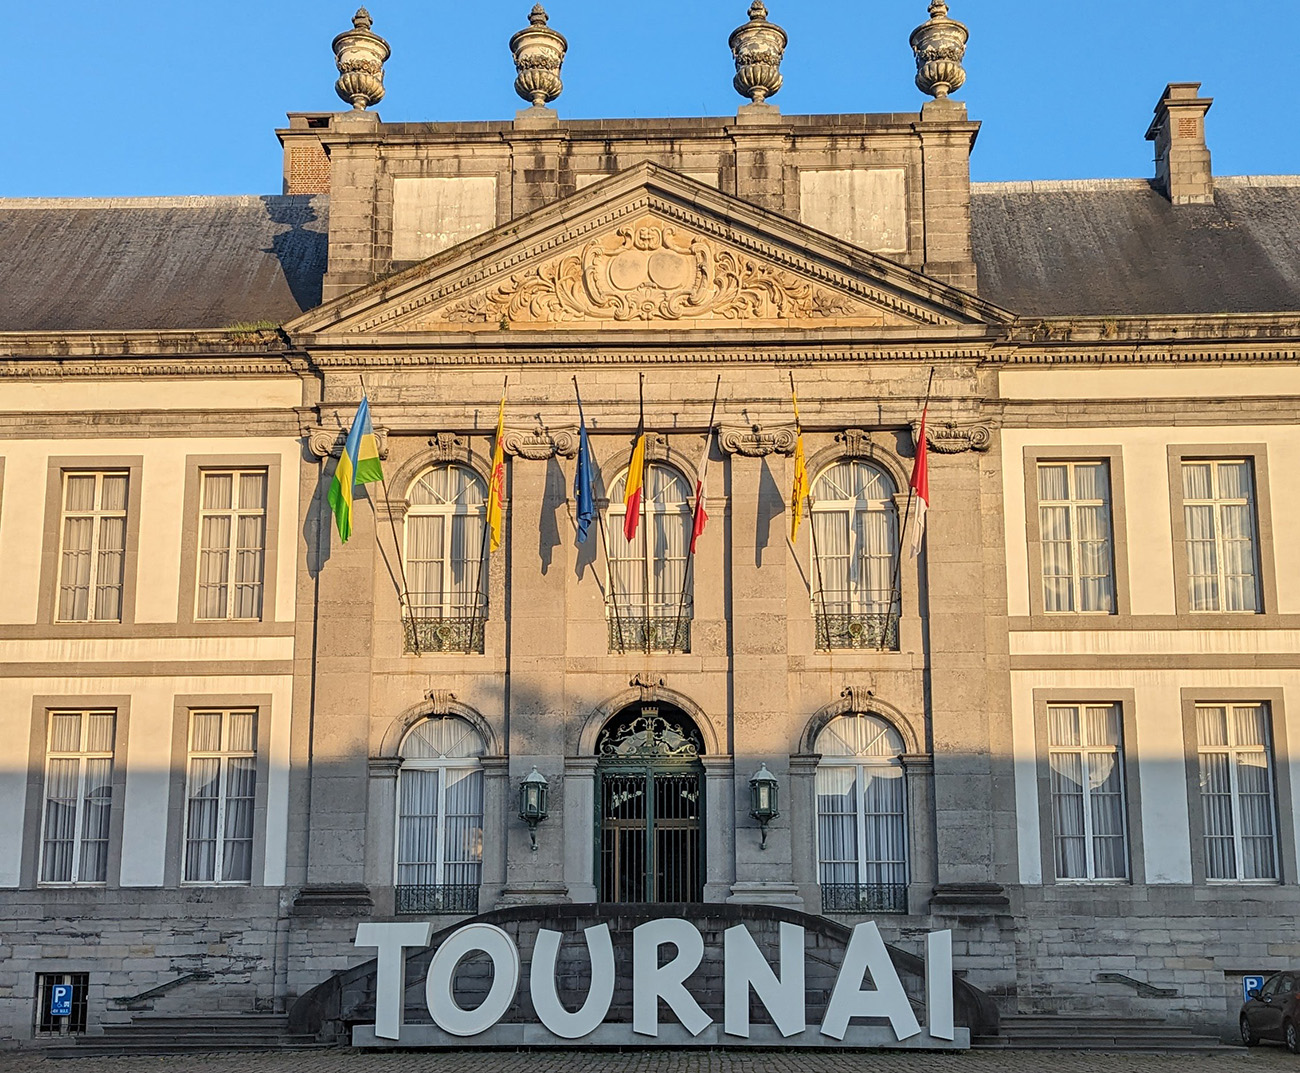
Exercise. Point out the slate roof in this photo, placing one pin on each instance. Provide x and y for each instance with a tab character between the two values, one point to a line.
190	262
1119	247
1103	247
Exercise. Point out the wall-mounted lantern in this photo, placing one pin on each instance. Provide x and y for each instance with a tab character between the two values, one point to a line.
534	794
763	799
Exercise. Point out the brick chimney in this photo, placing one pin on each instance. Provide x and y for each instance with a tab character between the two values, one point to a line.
1182	158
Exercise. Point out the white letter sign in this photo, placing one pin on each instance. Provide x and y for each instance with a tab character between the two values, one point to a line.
600	994
867	952
390	966
650	983
472	939
938	984
746	967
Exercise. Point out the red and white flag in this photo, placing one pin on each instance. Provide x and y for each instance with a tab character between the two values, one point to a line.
920	484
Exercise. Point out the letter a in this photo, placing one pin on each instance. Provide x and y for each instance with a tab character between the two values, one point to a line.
867	953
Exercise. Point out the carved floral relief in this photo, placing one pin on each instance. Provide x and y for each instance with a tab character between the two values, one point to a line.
651	271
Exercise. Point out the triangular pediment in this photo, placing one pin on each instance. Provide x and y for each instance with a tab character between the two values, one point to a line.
648	249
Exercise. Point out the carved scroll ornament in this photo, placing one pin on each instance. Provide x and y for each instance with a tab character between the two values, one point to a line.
648	271
539	444
952	437
755	441
323	441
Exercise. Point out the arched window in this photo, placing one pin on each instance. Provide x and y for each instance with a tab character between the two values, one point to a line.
855	542
445	565
440	818
861	816
646	607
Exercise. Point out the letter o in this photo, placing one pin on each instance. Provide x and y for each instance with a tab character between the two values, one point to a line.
439	996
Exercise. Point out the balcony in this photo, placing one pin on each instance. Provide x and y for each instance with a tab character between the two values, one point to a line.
437	633
864	897
450	899
856	630
649	633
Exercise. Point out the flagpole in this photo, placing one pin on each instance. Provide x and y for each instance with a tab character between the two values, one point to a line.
647	550
604	540
483	559
403	597
894	594
695	516
812	523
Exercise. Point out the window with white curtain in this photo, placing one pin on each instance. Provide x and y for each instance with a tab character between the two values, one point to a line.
646	574
1222	548
221	783
1235	753
92	557
440	817
232	544
855	554
445	526
78	796
1074	518
1086	765
861	815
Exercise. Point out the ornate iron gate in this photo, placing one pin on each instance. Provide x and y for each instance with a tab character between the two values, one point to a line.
650	789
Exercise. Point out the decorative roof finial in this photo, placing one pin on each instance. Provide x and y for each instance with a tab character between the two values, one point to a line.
539	55
360	56
758	47
940	46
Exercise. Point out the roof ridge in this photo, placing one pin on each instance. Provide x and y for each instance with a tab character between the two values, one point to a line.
1047	186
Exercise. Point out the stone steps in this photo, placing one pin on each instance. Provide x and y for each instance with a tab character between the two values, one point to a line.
1097	1032
189	1034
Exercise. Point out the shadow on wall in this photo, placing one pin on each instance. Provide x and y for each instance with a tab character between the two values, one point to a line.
303	252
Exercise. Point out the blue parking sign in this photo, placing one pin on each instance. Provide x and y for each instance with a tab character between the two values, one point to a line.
1249	984
61	1000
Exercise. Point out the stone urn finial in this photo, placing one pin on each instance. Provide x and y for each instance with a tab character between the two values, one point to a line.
940	46
539	55
360	55
758	47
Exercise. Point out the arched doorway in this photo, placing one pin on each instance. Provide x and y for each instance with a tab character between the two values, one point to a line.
649	803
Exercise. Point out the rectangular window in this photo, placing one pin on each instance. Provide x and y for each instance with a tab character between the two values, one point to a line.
1074	516
1237	804
232	544
93	549
1086	764
78	797
1222	548
221	780
57	992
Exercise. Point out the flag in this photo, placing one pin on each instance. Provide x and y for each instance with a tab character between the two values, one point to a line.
582	491
358	464
799	491
920	484
497	482
701	516
633	487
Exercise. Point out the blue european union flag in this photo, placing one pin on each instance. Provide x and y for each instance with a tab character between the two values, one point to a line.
582	490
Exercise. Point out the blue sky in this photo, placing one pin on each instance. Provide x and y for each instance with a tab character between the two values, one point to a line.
149	98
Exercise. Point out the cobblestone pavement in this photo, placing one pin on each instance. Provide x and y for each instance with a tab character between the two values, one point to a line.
1262	1060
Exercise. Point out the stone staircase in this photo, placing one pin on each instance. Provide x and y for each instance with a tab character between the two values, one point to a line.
1078	1032
152	1033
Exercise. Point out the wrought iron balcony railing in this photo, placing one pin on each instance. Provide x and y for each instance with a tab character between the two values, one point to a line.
649	633
435	633
864	897
444	899
849	629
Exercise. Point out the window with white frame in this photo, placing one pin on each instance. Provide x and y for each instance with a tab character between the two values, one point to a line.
232	544
1074	519
78	796
446	519
440	817
855	555
92	555
220	795
1222	548
649	606
861	815
1237	804
1086	771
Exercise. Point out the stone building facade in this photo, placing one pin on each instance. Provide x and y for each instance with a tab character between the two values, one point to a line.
232	738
